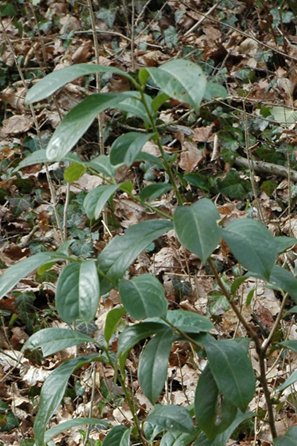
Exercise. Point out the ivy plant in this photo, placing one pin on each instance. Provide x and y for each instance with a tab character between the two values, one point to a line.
227	384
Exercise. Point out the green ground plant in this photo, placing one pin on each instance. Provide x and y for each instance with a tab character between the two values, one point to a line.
227	384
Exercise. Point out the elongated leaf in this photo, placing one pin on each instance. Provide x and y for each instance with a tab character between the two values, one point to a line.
291	380
171	418
213	416
283	279
57	79
118	436
15	273
126	147
96	199
52	393
283	243
291	344
38	157
52	340
133	106
188	321
77	121
78	291
102	165
143	297
62	427
252	245
289	439
196	227
177	439
221	439
121	252
112	321
153	191
232	370
153	364
134	334
182	80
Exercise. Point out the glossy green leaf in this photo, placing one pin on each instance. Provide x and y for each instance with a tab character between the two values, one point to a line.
196	227
112	320
52	393
188	321
171	418
221	439
232	370
177	439
118	436
121	252
214	90
133	106
52	340
126	147
182	80
77	294
289	439
283	279
153	191
289	382
62	427
283	243
77	122
143	296
57	79
102	165
214	414
37	157
153	364
252	245
12	275
291	344
96	199
135	333
73	172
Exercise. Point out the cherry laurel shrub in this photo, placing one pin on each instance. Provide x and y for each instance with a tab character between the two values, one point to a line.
228	383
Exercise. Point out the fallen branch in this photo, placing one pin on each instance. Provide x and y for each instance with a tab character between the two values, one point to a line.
264	167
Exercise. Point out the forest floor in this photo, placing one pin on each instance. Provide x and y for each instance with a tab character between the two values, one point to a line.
240	152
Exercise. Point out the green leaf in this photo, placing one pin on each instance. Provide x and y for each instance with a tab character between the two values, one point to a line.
153	191
121	252
196	228
283	115
96	199
125	148
77	121
182	80
214	90
133	106
252	245
153	364
52	340
291	344
289	382
62	427
102	165
15	273
143	297
177	439
171	418
135	333
37	157
188	321
73	172
77	294
52	393
232	370
118	436
112	321
283	243
283	279
213	415
221	439
57	79
289	439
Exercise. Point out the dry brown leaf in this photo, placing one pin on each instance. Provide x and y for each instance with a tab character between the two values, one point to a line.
16	124
190	156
